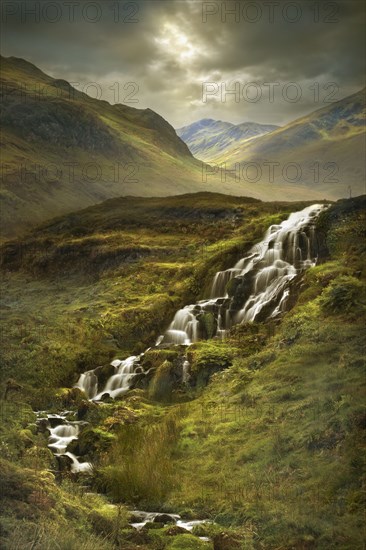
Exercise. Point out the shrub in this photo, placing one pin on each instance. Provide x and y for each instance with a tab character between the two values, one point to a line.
342	295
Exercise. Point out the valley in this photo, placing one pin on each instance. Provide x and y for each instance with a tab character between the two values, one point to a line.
63	151
182	275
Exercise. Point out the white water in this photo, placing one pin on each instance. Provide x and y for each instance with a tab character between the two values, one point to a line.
88	382
119	383
183	329
185	374
61	435
285	251
78	467
264	274
185	524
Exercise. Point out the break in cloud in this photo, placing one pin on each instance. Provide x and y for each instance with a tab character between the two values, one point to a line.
170	49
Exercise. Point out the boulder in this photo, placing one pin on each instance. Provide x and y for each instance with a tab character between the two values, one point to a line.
64	463
55	420
103	373
42	425
164	518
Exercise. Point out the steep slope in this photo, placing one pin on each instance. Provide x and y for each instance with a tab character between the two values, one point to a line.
328	146
63	151
270	449
208	138
130	261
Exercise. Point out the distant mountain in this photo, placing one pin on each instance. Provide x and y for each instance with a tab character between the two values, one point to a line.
63	151
328	146
209	138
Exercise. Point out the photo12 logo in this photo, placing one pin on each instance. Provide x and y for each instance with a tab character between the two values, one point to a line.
117	92
273	172
71	172
270	12
253	92
28	11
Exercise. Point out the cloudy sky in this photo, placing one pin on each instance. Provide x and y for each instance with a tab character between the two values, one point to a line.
182	57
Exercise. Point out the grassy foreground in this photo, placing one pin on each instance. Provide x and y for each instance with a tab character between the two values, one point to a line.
267	440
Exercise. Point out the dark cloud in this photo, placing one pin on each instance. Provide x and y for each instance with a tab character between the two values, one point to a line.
172	51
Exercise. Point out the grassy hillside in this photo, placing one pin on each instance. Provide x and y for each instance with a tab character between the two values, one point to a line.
334	134
107	280
266	440
63	151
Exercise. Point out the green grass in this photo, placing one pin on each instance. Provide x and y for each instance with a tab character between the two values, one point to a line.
269	440
105	283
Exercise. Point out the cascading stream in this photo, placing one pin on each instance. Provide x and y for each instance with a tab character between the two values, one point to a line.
256	288
62	431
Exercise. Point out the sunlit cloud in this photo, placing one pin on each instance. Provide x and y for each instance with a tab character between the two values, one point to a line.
174	43
170	53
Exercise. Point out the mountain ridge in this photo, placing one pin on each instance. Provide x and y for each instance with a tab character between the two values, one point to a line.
332	134
63	151
209	137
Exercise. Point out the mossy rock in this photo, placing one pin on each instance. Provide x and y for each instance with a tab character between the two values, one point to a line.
64	463
175	530
85	408
90	442
70	397
164	518
208	324
33	428
233	285
155	357
120	416
207	359
103	374
39	458
343	294
240	289
161	385
26	438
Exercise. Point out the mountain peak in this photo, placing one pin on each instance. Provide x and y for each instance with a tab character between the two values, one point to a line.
208	137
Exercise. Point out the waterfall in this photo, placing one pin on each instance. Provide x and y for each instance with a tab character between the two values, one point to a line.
61	436
185	372
286	250
119	383
260	290
62	432
183	329
260	285
221	280
88	383
76	466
